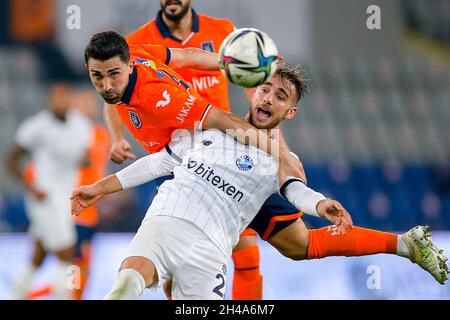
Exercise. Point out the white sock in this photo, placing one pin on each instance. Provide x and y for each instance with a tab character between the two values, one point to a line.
61	290
23	283
129	286
402	247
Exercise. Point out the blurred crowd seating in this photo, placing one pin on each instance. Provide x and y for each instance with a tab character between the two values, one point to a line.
430	18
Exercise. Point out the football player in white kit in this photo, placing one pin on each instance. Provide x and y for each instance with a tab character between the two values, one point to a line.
56	140
195	220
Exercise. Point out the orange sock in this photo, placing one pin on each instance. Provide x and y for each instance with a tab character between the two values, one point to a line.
328	241
39	293
247	280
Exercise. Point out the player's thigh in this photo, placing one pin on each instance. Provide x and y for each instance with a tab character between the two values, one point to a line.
163	241
292	241
203	276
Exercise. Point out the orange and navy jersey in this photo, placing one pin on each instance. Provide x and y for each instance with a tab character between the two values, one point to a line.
98	153
157	101
208	34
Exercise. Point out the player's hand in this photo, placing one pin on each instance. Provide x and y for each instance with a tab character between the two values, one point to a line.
335	213
39	195
82	198
120	151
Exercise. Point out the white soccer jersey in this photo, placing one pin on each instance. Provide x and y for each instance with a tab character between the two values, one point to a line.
220	186
56	148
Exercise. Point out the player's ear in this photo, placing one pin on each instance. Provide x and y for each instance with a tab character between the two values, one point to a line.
291	113
130	66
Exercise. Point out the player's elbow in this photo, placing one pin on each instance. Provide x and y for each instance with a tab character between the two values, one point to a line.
184	58
303	173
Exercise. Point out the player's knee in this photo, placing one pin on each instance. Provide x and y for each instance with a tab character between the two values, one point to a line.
247	258
142	265
292	246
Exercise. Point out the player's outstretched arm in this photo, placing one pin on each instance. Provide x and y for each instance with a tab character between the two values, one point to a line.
194	58
86	196
314	203
120	148
141	171
242	131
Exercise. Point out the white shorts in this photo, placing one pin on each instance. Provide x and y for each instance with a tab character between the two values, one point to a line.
182	252
51	223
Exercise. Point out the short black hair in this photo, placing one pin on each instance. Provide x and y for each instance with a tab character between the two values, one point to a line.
106	45
295	74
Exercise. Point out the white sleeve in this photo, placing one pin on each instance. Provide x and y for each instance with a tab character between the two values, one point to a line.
181	141
147	169
158	164
27	134
303	198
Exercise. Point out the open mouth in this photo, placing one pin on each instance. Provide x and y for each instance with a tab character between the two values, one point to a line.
263	114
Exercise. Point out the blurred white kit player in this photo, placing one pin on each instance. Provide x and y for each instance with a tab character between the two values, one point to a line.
57	149
56	140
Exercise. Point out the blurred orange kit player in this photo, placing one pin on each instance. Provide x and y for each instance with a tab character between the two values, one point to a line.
177	25
98	158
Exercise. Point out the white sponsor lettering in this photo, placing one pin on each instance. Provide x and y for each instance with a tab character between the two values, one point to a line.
186	108
204	82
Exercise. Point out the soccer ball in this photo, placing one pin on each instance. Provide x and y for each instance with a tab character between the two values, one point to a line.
248	57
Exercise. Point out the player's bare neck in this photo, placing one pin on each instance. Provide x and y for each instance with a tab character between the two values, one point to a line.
179	29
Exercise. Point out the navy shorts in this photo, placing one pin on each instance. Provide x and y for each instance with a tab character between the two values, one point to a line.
84	234
276	214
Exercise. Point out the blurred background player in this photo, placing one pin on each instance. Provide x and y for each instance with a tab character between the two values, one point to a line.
98	155
95	167
56	141
177	25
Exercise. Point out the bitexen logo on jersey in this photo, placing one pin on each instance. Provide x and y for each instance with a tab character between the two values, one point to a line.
209	175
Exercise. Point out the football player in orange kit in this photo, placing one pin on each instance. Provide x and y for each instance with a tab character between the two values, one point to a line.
177	25
98	157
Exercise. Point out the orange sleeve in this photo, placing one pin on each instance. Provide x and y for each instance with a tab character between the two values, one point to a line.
159	52
179	109
230	27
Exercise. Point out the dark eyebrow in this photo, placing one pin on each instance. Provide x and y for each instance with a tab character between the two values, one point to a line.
95	71
115	69
284	91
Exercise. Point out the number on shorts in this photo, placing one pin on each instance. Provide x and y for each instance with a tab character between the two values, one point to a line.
220	286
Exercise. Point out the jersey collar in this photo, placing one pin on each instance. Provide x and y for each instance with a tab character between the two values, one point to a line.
164	30
126	98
